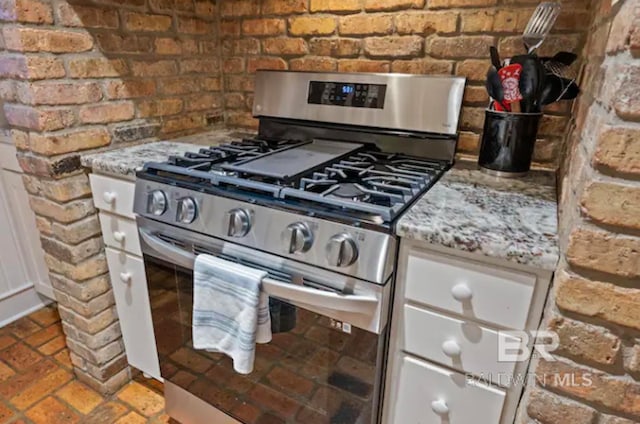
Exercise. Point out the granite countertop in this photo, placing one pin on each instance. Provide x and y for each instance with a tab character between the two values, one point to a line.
124	161
468	210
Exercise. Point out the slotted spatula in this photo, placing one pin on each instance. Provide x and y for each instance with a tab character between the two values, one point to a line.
540	24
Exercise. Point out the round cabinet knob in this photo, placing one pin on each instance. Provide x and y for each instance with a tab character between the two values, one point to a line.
451	348
119	236
239	223
187	210
440	407
109	197
156	203
125	277
342	250
298	237
461	292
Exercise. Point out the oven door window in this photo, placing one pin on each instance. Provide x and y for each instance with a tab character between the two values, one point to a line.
315	370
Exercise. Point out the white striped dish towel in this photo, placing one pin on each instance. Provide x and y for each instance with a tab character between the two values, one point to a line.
230	312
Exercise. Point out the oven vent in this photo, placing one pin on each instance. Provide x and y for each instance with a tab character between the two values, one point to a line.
169	239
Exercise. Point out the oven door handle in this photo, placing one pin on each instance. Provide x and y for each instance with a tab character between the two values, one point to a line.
363	304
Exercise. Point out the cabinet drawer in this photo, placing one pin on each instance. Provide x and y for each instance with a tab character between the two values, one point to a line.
462	345
113	195
428	394
484	293
132	303
120	233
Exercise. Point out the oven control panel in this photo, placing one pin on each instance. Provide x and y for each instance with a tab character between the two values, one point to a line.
361	253
350	94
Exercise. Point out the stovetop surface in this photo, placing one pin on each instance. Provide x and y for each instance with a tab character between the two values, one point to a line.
352	182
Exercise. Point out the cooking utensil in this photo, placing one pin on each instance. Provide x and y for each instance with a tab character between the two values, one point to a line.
566	58
559	64
495	57
540	24
571	90
531	81
510	80
494	88
557	88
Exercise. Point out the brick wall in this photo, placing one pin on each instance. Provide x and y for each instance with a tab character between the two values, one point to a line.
83	75
414	36
595	306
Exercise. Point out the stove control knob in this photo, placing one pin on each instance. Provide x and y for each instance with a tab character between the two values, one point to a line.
187	210
156	202
298	237
239	223
342	250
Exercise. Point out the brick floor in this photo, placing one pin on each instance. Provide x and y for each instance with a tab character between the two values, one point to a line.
37	384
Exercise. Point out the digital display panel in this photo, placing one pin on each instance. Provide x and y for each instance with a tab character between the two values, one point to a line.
347	94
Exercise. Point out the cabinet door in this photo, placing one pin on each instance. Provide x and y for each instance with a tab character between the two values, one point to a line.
132	302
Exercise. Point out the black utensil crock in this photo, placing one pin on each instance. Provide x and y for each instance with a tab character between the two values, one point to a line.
507	144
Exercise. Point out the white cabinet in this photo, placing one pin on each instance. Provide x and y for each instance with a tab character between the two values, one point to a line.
114	198
449	311
132	303
23	273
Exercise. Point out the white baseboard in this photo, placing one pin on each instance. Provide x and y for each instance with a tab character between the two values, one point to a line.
19	303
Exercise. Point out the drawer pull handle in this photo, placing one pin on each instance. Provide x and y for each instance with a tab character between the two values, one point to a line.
440	407
451	348
119	236
109	197
125	277
461	292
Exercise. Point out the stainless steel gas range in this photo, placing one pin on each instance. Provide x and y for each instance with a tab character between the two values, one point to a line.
312	199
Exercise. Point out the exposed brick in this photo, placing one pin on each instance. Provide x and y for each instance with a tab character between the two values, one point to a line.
83	291
241	119
30	67
174	46
50	167
111	42
179	85
610	419
233	65
65	213
634	42
598	299
338	6
285	46
604	252
310	25
361	65
256	63
78	231
426	22
335	47
612	204
585	341
205	8
234	101
619	150
160	107
472	118
72	254
241	47
146	22
239	83
169	6
90	325
127	89
134	132
239	8
627	98
106	387
201	101
378	5
182	123
199	66
632	360
44	226
96	67
468	142
283	7
40	118
27	11
366	25
316	64
230	28
46	40
436	4
210	83
406	46
154	68
86	16
66	189
271	26
194	26
475	95
495	20
106	112
622	395
547	408
97	356
462	46
59	93
68	141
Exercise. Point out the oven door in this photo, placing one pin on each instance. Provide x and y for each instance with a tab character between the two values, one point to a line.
324	363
